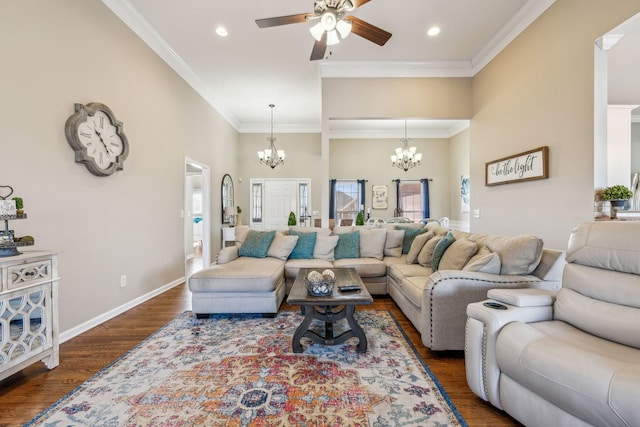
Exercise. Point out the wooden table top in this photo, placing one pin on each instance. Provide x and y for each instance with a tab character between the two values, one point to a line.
344	276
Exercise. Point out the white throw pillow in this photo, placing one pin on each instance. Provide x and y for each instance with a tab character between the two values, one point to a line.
282	246
393	243
416	246
372	243
324	248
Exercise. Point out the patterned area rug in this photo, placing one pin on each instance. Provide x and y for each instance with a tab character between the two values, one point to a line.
239	370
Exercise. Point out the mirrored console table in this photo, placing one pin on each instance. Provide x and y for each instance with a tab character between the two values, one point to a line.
28	311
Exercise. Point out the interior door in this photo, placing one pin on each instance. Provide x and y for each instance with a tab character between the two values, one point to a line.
280	198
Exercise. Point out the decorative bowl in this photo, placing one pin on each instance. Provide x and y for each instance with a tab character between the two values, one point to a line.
319	287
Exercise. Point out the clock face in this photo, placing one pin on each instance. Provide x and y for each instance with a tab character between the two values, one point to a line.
97	139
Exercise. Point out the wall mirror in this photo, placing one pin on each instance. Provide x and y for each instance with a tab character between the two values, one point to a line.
227	197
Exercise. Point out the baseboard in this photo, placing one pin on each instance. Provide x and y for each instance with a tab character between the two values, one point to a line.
92	323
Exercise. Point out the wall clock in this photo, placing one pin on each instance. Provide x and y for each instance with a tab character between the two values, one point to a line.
97	138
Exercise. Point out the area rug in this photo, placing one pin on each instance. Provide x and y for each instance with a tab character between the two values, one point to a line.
239	370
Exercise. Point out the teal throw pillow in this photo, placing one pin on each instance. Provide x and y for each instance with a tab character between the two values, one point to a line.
256	244
304	246
440	248
348	245
410	233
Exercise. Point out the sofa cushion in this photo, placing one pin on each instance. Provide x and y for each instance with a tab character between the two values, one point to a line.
348	245
244	274
484	261
426	253
592	378
341	229
372	243
325	246
413	289
292	266
458	254
366	267
401	270
282	246
518	254
416	247
304	246
410	233
256	244
440	248
240	233
393	243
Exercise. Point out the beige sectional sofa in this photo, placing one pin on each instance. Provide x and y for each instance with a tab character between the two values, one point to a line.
393	259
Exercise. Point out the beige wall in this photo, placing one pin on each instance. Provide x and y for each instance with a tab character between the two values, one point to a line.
540	91
458	166
302	161
369	159
57	53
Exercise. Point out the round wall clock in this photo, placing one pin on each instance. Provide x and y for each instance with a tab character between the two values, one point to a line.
97	138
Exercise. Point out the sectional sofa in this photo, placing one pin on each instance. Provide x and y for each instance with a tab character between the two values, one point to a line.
432	273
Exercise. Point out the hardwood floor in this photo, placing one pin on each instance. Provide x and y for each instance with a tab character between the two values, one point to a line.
27	393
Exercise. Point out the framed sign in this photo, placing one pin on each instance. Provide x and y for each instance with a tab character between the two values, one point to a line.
527	166
379	200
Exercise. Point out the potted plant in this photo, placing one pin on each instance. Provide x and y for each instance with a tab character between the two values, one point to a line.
292	219
617	195
19	205
360	218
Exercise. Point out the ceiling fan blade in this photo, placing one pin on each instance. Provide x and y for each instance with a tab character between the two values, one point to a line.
368	31
319	48
283	20
358	3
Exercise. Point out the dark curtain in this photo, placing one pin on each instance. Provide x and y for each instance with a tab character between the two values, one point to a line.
425	198
361	189
332	199
397	212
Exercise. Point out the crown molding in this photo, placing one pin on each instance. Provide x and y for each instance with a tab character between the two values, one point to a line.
346	69
128	14
512	29
280	128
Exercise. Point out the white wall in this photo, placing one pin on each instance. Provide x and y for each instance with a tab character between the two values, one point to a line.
55	54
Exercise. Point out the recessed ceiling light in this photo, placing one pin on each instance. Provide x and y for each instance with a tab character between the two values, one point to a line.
222	32
433	31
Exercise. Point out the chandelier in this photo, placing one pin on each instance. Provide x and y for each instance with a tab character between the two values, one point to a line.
406	157
271	156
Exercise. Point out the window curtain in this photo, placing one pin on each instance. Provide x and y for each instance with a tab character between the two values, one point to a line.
361	190
425	198
397	212
332	199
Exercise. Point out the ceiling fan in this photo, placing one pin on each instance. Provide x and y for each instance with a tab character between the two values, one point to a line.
333	24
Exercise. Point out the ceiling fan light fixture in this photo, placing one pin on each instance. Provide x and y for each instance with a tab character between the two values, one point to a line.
332	38
348	6
344	28
317	31
329	20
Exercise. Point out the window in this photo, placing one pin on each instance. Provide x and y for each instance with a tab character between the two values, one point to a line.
413	199
303	202
347	199
256	195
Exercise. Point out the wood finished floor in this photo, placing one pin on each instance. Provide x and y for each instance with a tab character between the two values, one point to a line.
27	393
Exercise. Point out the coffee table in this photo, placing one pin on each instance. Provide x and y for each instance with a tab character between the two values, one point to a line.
329	309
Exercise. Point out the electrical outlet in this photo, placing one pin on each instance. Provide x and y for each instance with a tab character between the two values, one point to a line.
476	213
123	280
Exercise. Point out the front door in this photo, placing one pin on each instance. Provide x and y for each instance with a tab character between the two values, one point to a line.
280	198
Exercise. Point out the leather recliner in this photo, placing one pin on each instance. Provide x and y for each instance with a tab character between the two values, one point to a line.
570	358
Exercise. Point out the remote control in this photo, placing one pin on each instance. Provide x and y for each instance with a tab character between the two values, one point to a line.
495	305
349	288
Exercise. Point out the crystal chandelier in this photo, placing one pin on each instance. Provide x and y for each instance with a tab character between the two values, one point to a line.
271	156
406	157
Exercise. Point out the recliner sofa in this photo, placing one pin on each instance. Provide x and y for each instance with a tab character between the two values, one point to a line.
570	358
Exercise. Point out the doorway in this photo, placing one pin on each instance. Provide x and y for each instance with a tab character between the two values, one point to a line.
273	199
197	216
